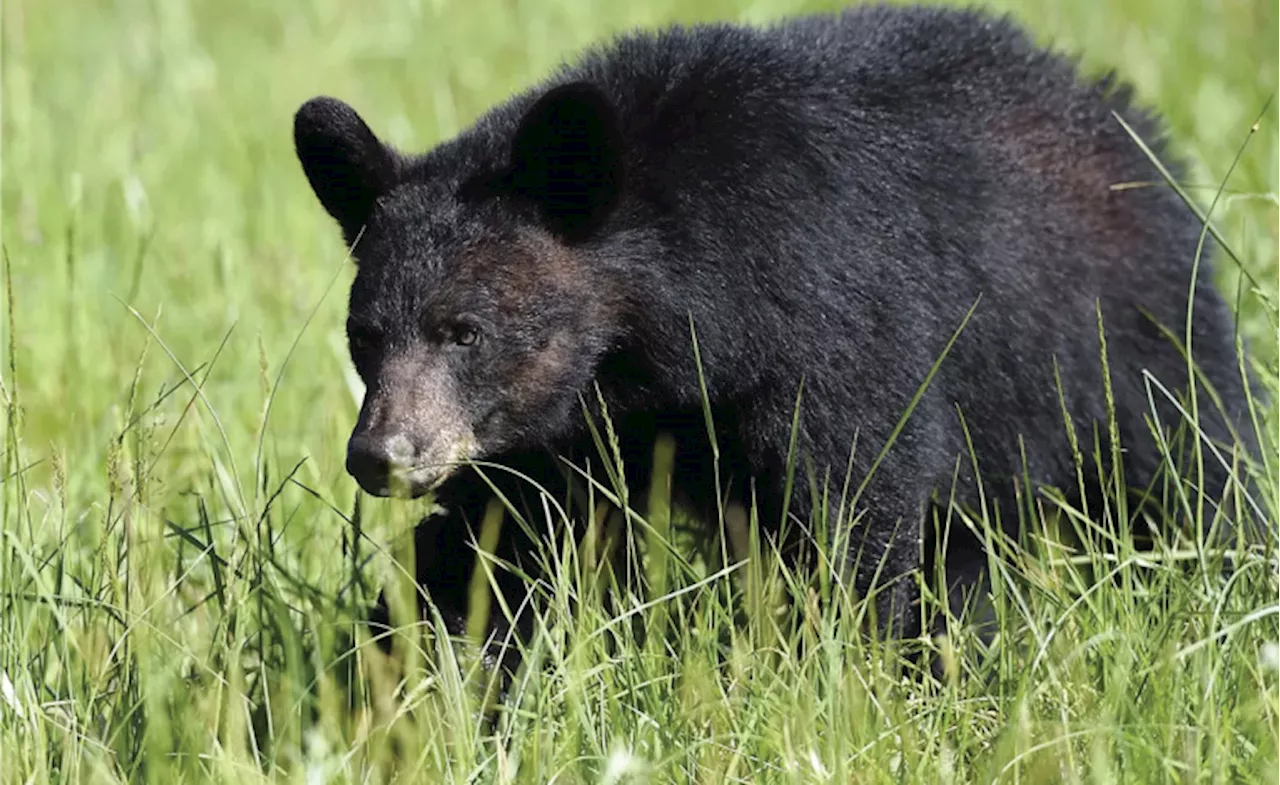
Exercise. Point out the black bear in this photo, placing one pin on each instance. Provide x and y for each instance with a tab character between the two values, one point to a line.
820	203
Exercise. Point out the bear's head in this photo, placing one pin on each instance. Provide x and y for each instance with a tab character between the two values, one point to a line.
477	315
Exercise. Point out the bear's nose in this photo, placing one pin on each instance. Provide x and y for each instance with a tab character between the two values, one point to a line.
372	458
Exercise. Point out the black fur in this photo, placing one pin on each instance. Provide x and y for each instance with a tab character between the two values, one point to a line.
825	199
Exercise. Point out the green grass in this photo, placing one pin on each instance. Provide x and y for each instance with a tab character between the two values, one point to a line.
177	546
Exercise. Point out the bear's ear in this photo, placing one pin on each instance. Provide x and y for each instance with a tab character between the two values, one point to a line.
567	158
346	164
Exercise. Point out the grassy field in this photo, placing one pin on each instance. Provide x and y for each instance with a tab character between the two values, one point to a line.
178	555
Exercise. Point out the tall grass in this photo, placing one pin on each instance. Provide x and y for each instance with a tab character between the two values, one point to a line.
182	556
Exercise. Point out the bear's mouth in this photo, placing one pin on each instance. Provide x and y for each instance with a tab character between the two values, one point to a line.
411	481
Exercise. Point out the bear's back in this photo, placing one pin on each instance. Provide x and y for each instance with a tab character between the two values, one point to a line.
915	60
888	167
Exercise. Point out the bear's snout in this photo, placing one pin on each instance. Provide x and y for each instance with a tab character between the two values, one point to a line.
389	464
376	460
412	432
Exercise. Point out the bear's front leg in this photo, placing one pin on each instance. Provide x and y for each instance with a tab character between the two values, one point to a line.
876	551
446	558
882	555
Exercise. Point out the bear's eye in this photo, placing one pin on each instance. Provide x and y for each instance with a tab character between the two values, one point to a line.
466	335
